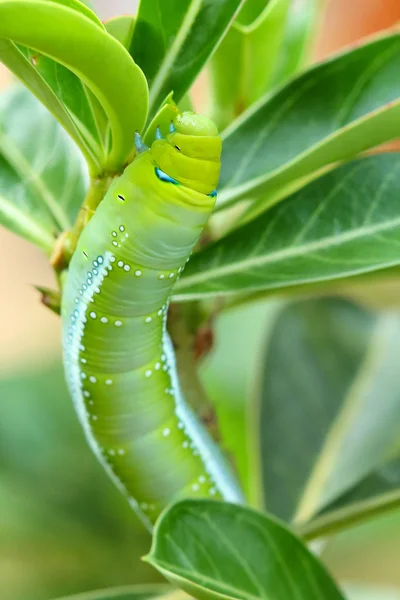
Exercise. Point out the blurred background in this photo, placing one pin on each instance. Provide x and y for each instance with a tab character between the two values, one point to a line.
63	527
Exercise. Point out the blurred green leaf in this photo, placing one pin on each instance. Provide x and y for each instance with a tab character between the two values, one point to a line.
131	592
173	40
331	113
381	480
219	550
344	224
59	32
42	174
321	431
64	526
243	64
354	592
301	27
122	29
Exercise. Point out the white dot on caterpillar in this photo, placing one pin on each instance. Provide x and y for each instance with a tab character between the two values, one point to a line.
148	320
157	366
213	491
83	360
104	319
165	368
112	259
94	417
82	347
111	452
202	479
115	243
161	276
160	312
83	375
97	289
148	373
90	402
180	425
108	381
93	314
121	228
86	394
114	233
185	444
99	260
163	357
195	487
121	451
171	275
120	263
127	268
92	379
118	323
138	273
166	432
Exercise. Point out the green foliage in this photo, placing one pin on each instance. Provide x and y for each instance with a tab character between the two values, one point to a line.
200	546
133	592
173	40
105	68
331	113
243	65
320	426
311	237
42	176
327	361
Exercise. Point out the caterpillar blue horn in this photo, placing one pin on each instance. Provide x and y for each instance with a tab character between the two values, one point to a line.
139	144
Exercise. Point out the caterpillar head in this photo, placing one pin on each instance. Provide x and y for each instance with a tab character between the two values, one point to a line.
191	152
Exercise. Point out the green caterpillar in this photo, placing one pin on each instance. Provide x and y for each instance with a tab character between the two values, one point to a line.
118	357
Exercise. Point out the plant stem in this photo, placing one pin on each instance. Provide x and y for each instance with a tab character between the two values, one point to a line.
67	242
184	323
343	518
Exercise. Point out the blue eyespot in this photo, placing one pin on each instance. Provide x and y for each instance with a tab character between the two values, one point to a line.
213	194
164	177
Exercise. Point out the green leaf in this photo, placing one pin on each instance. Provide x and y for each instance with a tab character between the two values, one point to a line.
344	224
173	40
127	592
320	428
301	27
242	67
376	494
219	550
331	113
122	29
42	175
381	481
60	32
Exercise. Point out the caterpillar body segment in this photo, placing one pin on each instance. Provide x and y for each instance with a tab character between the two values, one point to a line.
119	360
